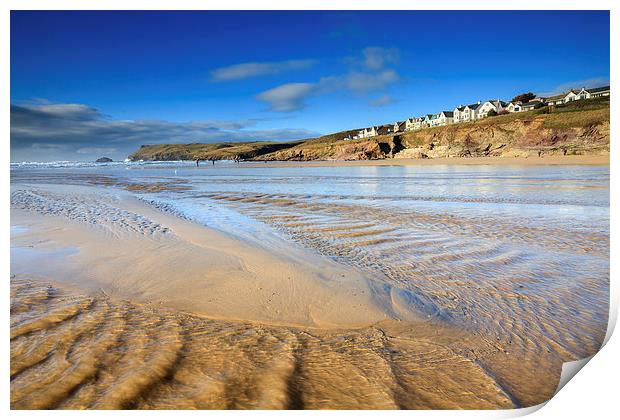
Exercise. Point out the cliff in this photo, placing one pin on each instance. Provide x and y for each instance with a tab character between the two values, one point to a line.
380	147
570	130
578	128
217	151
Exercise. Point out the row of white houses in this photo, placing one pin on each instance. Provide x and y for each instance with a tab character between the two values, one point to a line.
464	113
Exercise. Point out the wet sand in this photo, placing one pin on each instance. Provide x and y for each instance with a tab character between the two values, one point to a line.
509	161
121	245
145	310
71	351
118	304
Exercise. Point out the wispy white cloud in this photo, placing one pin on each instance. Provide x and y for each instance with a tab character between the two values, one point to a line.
377	58
47	131
367	73
255	69
382	101
364	82
288	97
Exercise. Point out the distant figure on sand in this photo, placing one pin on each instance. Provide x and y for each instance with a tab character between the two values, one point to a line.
212	161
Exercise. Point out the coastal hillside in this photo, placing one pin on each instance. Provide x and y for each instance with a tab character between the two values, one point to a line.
576	128
226	150
207	151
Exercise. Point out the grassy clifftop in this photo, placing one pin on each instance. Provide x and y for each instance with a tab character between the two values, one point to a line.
225	151
218	151
580	127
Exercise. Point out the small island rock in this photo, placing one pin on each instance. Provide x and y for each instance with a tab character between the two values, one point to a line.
104	160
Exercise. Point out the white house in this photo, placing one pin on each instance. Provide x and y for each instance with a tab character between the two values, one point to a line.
459	114
575	95
556	100
465	113
528	106
443	118
385	129
368	132
562	98
587	93
599	92
488	106
578	94
513	107
399	126
410	124
420	123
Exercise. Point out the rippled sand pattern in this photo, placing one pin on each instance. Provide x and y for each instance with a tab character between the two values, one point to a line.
74	352
529	286
90	211
511	280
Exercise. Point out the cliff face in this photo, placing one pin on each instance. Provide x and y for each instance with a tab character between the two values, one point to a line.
575	133
580	128
365	149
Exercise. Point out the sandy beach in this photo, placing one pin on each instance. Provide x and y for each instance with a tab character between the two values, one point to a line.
123	297
508	161
120	287
71	351
136	252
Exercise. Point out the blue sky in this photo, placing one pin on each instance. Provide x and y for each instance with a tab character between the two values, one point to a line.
104	82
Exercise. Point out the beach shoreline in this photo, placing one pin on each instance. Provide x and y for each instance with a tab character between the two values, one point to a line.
136	252
112	275
589	160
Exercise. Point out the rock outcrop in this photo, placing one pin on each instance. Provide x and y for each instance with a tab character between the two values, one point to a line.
364	149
